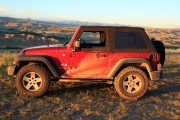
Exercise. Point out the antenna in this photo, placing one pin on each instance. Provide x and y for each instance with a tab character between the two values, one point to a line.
46	36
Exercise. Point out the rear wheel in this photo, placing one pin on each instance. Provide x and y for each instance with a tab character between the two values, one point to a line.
32	80
131	83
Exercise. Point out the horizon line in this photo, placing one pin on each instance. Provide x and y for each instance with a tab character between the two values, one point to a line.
83	22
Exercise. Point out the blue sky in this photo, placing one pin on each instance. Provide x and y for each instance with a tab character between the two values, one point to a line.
148	13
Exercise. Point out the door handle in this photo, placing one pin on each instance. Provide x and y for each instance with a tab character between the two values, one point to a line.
101	55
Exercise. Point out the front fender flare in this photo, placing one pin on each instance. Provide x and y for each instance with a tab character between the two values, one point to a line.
40	58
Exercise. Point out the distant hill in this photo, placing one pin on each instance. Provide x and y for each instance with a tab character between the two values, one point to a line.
17	22
22	33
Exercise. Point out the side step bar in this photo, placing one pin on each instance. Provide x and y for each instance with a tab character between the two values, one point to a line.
85	81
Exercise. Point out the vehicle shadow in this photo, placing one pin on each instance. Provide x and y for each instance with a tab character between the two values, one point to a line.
167	88
172	66
172	75
164	86
169	84
76	88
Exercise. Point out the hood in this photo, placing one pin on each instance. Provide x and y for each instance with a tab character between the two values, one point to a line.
45	46
43	49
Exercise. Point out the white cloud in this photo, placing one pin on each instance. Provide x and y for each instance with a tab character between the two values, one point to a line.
2	9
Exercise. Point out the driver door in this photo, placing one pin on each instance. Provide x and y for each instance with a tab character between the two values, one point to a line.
91	59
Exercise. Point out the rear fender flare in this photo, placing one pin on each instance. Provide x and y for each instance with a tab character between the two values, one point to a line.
143	63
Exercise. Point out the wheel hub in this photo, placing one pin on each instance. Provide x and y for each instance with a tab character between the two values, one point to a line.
132	84
32	81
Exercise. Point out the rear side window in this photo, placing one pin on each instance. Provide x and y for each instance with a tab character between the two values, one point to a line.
129	40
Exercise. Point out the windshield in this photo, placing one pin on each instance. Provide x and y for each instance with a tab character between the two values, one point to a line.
63	36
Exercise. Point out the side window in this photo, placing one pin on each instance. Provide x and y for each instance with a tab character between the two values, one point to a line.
91	39
129	40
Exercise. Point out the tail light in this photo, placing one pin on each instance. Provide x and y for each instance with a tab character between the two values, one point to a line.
155	57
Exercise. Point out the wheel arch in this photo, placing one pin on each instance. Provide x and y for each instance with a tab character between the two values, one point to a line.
137	62
46	61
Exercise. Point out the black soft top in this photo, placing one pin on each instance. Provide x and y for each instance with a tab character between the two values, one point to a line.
111	27
112	40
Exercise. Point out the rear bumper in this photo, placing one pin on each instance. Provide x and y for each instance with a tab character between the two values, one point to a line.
156	75
12	70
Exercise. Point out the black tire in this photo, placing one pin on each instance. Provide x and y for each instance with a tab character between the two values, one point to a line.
160	48
40	73
122	89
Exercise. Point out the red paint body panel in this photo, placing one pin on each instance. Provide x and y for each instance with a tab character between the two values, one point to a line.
59	55
85	64
88	65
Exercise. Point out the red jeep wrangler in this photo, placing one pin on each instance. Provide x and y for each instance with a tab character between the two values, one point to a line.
123	56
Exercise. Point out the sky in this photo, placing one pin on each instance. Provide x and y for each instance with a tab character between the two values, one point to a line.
146	13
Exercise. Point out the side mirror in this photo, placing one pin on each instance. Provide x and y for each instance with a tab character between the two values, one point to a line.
77	44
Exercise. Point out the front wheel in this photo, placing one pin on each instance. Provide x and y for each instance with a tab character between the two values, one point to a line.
131	83
32	80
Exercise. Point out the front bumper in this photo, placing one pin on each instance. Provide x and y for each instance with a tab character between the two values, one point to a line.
12	70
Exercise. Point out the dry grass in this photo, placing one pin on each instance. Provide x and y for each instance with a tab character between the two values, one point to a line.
92	102
6	59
